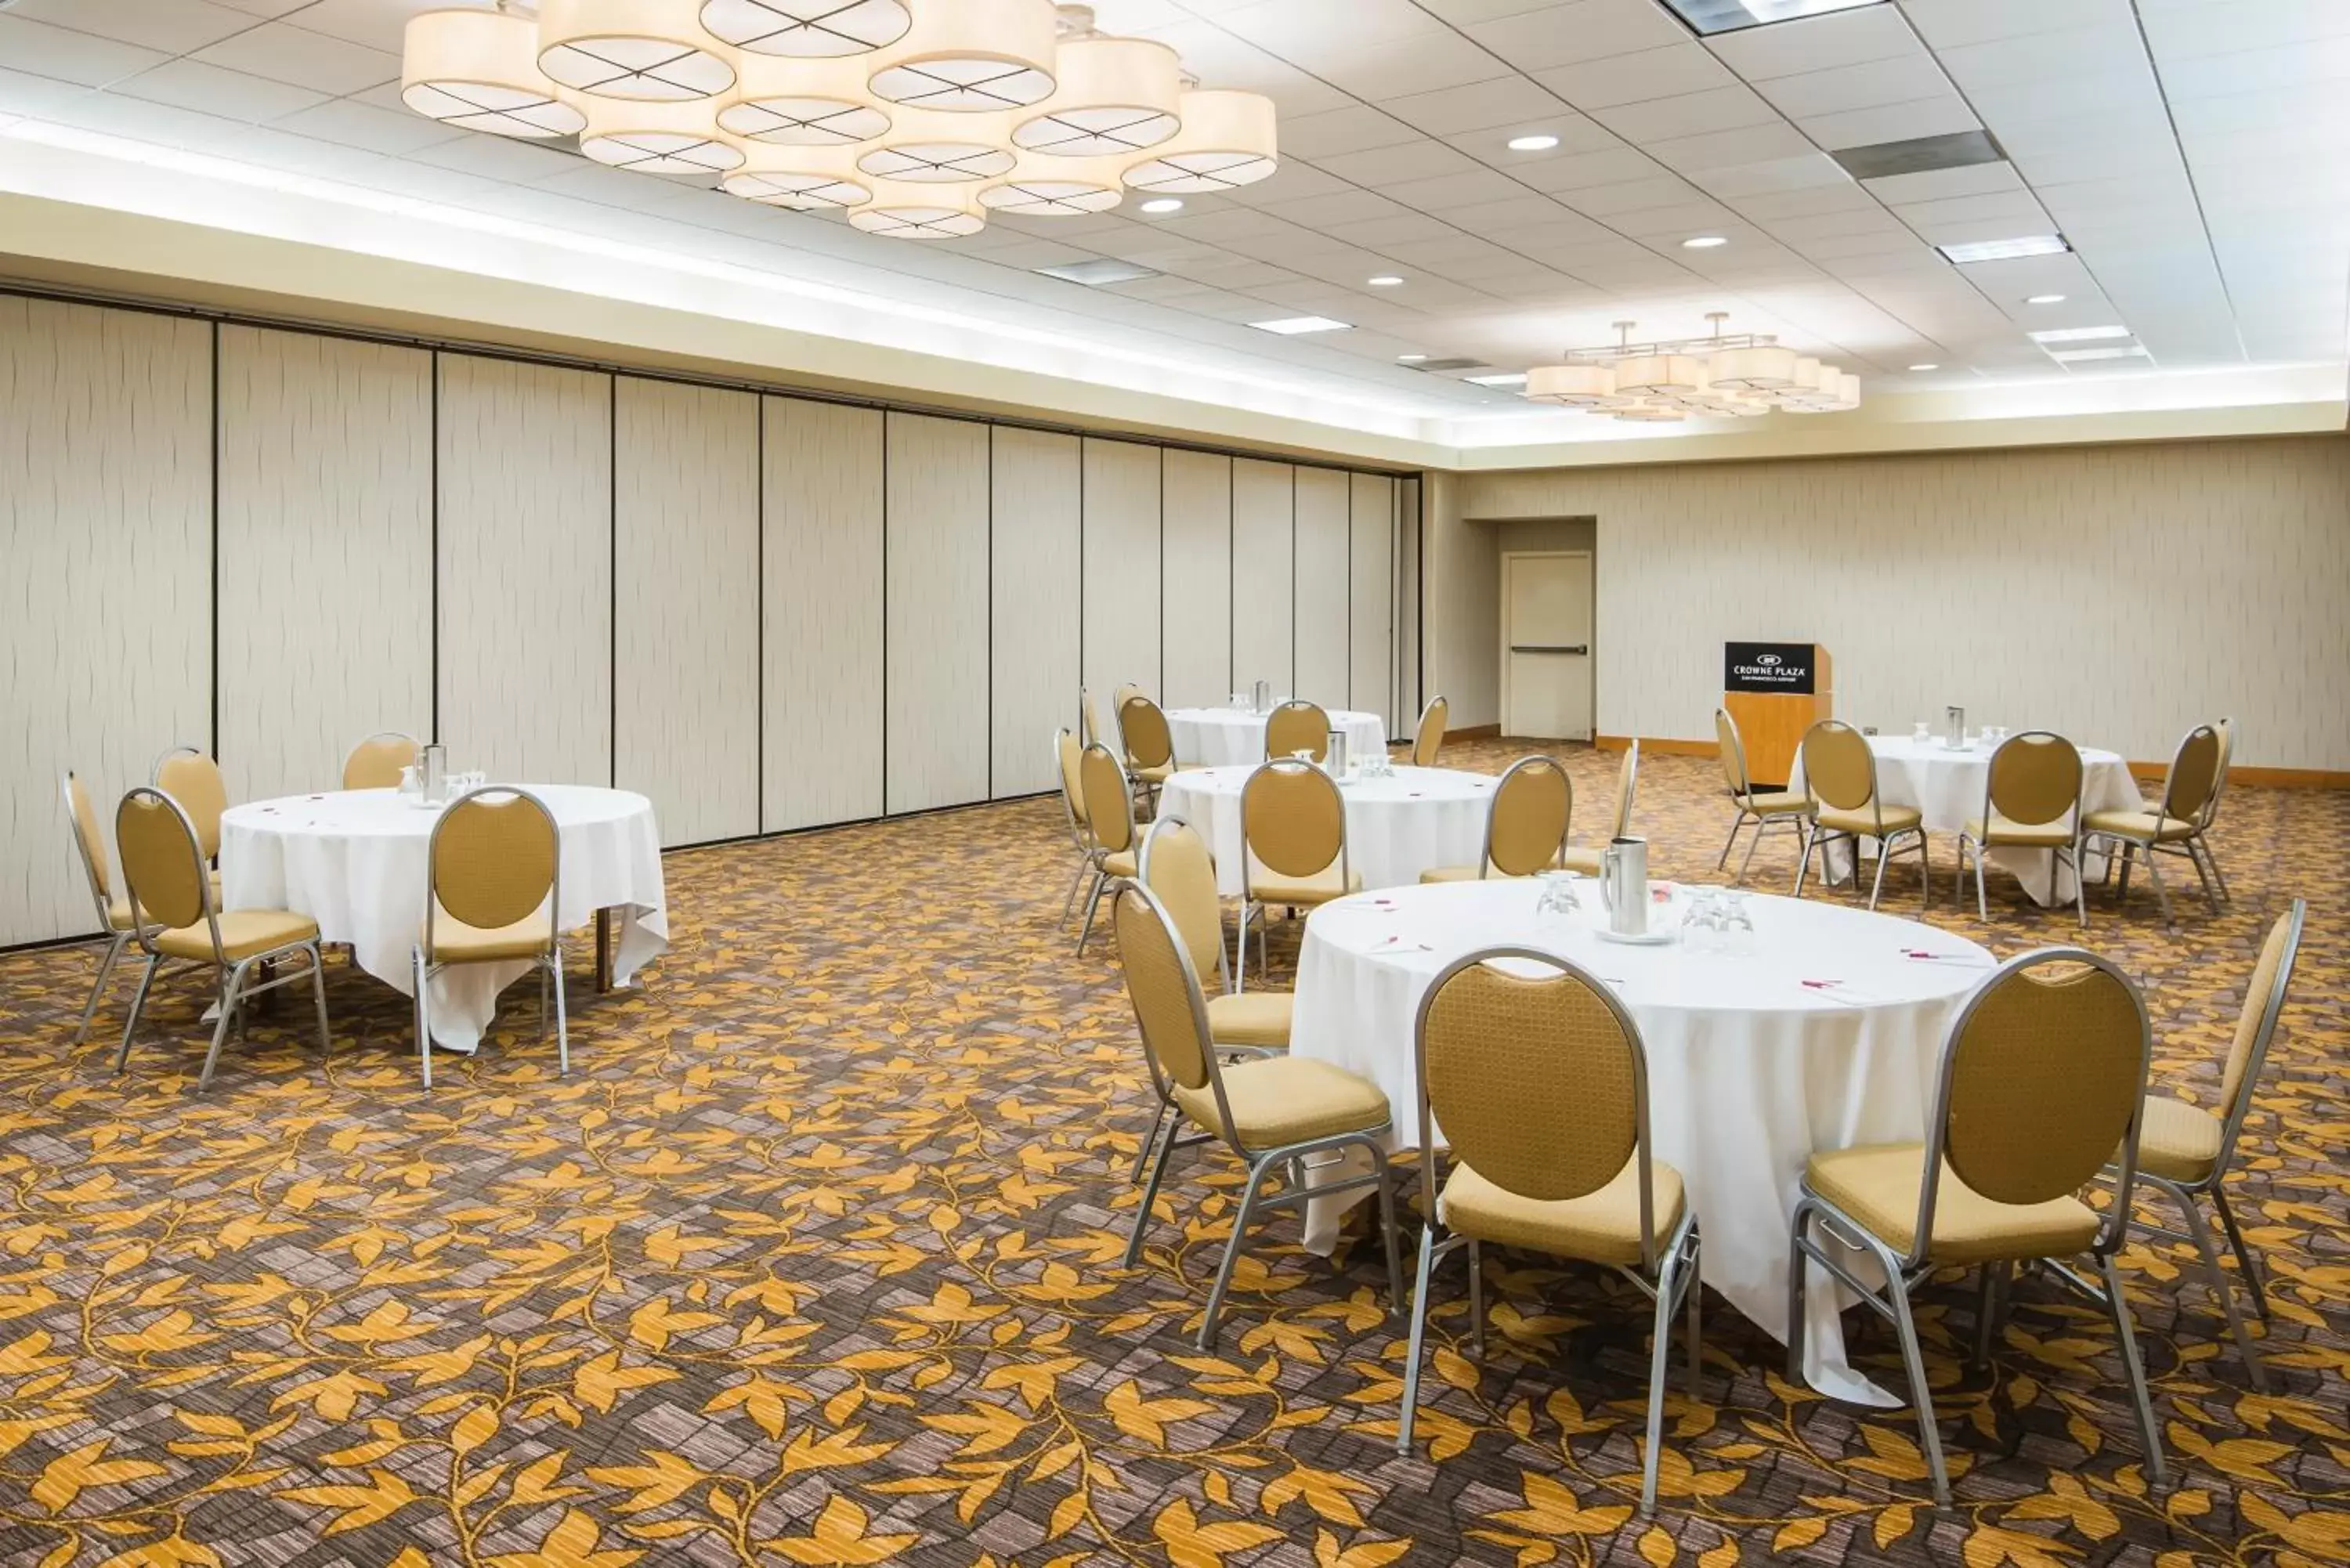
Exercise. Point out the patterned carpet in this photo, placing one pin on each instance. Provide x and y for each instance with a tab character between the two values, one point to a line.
814	1260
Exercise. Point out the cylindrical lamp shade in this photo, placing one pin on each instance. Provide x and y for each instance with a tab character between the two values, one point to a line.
801	103
1043	187
1763	369
649	50
931	149
657	138
1660	373
1227	140
479	70
921	212
808	30
1117	96
803	179
972	56
1574	386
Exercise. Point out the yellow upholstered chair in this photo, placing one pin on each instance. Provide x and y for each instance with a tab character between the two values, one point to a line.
2185	1152
1110	825
2042	1078
493	881
1092	729
2031	800
1270	1111
1525	824
1150	744
1541	1086
1066	757
1840	773
1782	808
1297	726
2170	825
375	763
1124	692
1427	738
193	780
113	914
2200	845
1293	838
175	917
1627	783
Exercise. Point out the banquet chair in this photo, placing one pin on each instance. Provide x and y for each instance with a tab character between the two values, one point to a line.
375	763
175	916
2185	1152
1840	773
1782	808
1272	1111
1627	783
113	914
1150	744
1293	844
194	781
1122	694
1428	737
2031	800
1542	1087
1110	825
2041	1077
1092	720
1297	726
2168	826
2202	839
493	883
1525	824
1066	754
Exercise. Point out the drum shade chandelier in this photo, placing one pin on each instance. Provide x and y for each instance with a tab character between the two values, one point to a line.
1742	375
918	118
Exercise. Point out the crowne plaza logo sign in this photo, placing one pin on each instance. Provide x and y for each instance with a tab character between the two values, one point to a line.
1781	667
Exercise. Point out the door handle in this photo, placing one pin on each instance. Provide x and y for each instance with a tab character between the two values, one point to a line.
1582	648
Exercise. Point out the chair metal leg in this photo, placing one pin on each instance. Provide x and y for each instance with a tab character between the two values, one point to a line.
2149	1436
1240	939
1752	845
1390	1218
2216	1278
138	1003
1735	824
1232	1248
1150	1142
319	995
2130	854
1477	1300
232	999
114	947
1693	1316
1076	882
562	1015
1799	1268
2080	891
2154	875
2203	877
2217	875
1093	902
1921	1393
1803	858
1982	898
1987	1283
423	1015
2253	1278
1419	1341
1876	883
1660	1355
1150	1195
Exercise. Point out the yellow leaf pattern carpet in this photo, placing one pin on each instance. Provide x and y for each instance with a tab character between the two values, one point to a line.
813	1260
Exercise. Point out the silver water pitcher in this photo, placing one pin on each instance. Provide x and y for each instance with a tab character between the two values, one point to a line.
1335	759
432	769
1624	885
1264	696
1954	726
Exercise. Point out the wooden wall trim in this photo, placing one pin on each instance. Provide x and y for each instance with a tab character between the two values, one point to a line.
2264	778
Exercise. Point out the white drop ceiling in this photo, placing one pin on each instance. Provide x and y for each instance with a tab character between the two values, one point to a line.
2195	153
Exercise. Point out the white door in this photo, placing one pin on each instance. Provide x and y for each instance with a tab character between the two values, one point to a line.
1546	646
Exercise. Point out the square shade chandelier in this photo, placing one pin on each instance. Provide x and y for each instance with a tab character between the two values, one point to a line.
1726	376
917	118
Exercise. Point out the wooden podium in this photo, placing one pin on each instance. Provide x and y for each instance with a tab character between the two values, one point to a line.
1775	692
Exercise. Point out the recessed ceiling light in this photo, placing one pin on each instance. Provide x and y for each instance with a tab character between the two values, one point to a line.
2045	299
1409	359
1533	143
1703	243
2073	356
1731	15
1097	272
1162	204
1511	379
2079	334
1384	280
1291	326
1925	366
2005	249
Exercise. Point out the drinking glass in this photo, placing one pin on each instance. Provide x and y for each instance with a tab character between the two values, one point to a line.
1559	904
1922	732
1701	923
1737	923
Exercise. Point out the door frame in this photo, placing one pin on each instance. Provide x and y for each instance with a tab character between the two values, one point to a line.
1502	651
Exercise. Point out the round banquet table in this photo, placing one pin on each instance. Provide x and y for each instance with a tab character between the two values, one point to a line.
1217	737
1751	1068
1412	821
354	861
1946	785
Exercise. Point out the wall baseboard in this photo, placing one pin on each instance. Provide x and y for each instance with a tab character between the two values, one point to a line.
1474	732
2263	778
1659	743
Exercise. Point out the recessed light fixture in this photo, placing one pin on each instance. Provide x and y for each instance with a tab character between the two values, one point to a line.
1925	366
1533	143
1510	379
1409	359
1291	326
1703	243
2079	334
2045	299
1163	204
2074	355
1384	280
1731	15
1097	272
2005	249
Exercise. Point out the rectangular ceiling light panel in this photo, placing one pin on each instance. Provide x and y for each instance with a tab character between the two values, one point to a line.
1094	274
1291	326
1706	16
2081	355
2005	249
1512	378
2079	334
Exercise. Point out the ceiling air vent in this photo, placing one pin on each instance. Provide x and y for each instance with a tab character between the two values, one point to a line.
1921	155
1451	365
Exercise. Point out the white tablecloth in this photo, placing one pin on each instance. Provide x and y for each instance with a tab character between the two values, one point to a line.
1412	821
354	861
1750	1070
1216	737
1947	787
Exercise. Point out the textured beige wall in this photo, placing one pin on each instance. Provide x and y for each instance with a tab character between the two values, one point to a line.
2117	594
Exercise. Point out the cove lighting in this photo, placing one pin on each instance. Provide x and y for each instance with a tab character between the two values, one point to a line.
2079	334
2005	249
1291	326
1533	143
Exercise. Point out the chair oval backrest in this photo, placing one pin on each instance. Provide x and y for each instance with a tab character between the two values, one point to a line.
84	818
195	780
1092	720
1148	741
375	763
1297	726
1627	786
1167	1006
1838	767
2263	999
1528	821
1732	751
1067	754
493	857
2227	731
1125	692
1109	805
1535	1084
162	859
2035	778
1182	875
2194	775
2043	1074
1428	740
1293	819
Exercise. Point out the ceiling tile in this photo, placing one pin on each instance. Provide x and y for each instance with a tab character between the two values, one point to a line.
173	26
351	124
1480	106
1358	128
1452	191
1400	165
1725	149
84	58
1816	43
285	53
209	89
1905	79
1628	78
1943	116
1584	30
1692	114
